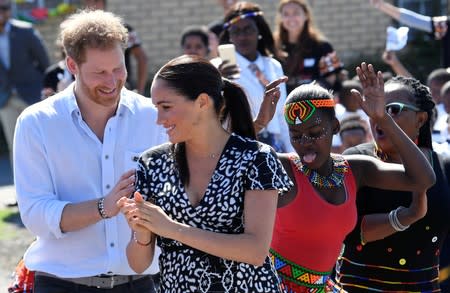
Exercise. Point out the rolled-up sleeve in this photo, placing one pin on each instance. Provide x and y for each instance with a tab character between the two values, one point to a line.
40	208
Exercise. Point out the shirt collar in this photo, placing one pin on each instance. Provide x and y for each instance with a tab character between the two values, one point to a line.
244	62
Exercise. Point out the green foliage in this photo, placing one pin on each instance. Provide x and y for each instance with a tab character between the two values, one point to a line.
8	216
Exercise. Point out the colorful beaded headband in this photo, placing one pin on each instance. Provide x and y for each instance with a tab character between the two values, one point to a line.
242	16
298	112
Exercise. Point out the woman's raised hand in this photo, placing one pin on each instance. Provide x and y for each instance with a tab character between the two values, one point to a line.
372	100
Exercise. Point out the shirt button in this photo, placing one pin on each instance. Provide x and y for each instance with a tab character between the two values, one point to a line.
106	157
107	186
111	244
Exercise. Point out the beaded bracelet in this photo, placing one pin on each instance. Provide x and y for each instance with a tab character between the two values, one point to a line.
140	243
101	208
395	222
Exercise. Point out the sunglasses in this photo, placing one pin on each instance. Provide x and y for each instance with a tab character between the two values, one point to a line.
5	7
393	109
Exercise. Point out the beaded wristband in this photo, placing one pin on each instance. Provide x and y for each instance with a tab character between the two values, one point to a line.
140	243
101	208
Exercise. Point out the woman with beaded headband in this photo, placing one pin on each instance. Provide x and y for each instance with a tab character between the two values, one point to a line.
314	217
246	28
386	252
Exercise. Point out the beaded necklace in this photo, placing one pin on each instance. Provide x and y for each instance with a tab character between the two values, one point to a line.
336	178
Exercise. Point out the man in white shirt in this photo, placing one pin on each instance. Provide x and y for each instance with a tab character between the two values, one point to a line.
74	157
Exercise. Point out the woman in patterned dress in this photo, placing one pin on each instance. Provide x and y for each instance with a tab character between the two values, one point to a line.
314	217
210	195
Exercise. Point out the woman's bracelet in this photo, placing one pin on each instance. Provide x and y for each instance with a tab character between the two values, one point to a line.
140	243
395	222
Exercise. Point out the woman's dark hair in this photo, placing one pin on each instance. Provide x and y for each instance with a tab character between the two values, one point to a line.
312	91
266	45
191	76
195	30
420	95
308	38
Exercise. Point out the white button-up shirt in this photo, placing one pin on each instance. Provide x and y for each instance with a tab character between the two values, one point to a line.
59	160
272	70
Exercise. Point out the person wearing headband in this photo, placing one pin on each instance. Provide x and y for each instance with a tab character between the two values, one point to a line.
314	217
245	27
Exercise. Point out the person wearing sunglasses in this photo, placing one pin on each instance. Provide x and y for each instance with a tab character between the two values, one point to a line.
314	217
386	252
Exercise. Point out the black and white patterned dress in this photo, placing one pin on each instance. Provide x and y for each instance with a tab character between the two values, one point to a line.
243	165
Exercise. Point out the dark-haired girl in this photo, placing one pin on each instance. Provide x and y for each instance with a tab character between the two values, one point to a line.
210	195
314	217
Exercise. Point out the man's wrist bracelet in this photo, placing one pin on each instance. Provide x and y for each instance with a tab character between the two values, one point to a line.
141	243
101	208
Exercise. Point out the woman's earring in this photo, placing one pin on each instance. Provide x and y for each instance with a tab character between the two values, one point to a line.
259	37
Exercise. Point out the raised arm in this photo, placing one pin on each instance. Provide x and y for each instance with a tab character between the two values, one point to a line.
390	58
269	103
417	174
404	16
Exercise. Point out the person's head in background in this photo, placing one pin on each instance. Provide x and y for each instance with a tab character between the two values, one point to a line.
354	131
246	28
445	96
192	99
295	24
411	105
346	99
436	80
195	41
95	4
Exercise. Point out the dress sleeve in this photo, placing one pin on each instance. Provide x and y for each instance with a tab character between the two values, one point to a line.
266	172
152	171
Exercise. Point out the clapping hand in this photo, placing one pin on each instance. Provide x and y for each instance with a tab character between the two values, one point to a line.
372	101
145	216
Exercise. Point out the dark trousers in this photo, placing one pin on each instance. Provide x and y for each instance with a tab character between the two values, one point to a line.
44	284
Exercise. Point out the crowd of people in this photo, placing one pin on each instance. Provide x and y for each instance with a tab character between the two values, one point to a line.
273	172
